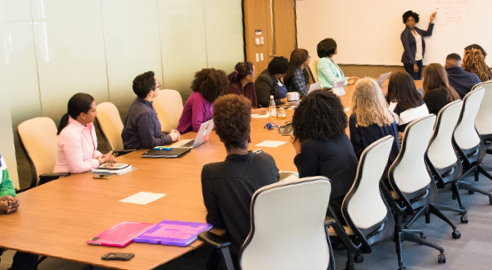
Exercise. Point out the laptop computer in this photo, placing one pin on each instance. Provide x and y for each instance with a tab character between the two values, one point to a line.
201	137
383	78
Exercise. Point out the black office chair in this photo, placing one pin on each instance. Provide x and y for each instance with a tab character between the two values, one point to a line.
287	228
367	215
441	159
468	143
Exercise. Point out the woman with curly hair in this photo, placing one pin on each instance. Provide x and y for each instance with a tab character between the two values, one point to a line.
208	85
321	145
228	186
371	120
299	75
437	91
404	100
413	42
474	62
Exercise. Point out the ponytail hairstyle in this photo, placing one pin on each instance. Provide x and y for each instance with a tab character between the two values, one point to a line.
241	70
79	103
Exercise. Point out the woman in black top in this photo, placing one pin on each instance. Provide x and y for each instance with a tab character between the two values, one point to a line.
404	100
437	91
371	120
269	83
321	145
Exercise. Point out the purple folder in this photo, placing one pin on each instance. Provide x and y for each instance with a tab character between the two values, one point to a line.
173	233
120	235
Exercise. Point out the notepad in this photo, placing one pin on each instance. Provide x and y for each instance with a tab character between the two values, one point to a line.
173	233
143	197
120	235
173	153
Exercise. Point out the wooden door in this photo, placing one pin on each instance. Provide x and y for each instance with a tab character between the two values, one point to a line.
284	27
258	36
265	35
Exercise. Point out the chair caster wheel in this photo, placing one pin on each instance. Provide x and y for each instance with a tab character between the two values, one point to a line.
471	192
441	258
456	234
358	258
464	219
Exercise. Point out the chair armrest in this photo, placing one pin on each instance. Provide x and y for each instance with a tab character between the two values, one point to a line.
123	152
46	177
214	240
329	221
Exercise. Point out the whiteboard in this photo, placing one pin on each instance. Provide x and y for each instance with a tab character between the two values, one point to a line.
368	32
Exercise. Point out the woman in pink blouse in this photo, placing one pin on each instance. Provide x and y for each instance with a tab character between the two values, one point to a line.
77	141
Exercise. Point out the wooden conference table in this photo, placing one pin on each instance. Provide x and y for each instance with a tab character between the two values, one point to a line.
56	219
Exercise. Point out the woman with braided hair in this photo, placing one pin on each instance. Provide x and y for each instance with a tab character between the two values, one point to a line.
474	62
321	145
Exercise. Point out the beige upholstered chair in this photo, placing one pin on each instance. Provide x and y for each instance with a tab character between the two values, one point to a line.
313	65
38	138
110	125
169	106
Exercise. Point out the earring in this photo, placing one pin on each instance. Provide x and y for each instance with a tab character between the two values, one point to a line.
83	117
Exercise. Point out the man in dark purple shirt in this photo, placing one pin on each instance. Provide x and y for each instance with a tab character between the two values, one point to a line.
142	128
462	81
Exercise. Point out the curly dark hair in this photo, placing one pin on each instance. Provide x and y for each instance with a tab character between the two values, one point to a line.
320	117
409	14
326	47
143	84
478	47
232	118
278	65
210	83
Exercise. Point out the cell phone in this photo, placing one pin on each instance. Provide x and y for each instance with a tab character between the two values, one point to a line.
103	176
116	256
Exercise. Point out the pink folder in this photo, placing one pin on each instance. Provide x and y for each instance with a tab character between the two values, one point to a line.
120	235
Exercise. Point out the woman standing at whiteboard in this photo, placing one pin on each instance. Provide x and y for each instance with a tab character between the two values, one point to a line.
413	42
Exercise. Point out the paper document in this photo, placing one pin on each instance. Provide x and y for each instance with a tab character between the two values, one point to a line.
255	115
271	143
314	86
143	198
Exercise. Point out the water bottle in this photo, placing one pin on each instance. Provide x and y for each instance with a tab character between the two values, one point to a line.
272	109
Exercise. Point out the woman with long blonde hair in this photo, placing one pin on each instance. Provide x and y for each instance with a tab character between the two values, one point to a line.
437	91
371	120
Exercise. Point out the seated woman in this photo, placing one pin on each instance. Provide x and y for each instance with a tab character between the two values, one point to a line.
321	145
371	120
228	186
437	91
77	141
141	128
474	62
404	100
207	86
241	80
268	83
8	205
328	70
299	75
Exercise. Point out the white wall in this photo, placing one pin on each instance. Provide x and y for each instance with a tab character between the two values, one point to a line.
368	32
51	49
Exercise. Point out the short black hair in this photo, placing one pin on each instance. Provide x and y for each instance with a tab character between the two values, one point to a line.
409	14
453	56
326	47
319	116
143	84
278	65
476	46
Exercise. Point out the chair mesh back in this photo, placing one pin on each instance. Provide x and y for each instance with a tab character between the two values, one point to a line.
483	123
441	152
169	106
111	125
409	169
38	136
287	230
465	134
365	206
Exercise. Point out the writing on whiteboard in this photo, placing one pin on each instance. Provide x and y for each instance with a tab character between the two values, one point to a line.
450	11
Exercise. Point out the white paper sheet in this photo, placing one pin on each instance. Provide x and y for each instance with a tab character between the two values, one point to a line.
271	143
255	115
143	198
314	86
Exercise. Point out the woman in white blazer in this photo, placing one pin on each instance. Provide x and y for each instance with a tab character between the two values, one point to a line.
328	70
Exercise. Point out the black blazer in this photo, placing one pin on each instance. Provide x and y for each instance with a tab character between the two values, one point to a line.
410	44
